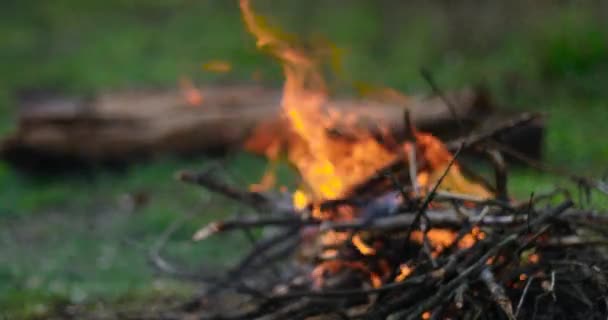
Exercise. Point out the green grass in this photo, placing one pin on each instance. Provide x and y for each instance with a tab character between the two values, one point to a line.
68	238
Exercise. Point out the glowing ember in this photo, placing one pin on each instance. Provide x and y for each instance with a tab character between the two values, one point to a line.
437	237
469	239
332	267
534	258
362	246
404	272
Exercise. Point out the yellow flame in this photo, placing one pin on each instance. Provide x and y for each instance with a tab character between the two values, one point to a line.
328	166
331	164
300	200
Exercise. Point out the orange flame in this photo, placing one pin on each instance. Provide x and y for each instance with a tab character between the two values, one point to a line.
329	165
333	152
334	266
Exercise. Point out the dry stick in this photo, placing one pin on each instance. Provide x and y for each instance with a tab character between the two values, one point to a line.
446	218
162	265
437	219
212	183
467	142
413	170
425	204
459	295
250	222
423	207
259	250
523	296
235	273
410	281
443	291
450	196
434	274
572	241
497	292
466	229
440	196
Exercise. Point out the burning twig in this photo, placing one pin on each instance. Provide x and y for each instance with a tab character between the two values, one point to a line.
471	141
425	204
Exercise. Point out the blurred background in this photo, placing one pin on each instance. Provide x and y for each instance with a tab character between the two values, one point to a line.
83	237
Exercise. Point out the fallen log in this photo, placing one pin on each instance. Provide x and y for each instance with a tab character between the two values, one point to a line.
127	125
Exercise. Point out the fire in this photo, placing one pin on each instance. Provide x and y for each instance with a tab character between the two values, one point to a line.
334	266
333	152
328	165
443	238
300	200
404	272
534	258
362	246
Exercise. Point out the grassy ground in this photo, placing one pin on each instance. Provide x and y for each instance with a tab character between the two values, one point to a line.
69	239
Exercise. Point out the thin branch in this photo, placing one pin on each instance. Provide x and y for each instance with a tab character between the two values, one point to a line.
497	292
431	196
210	181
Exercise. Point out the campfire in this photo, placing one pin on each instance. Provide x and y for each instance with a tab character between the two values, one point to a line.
386	227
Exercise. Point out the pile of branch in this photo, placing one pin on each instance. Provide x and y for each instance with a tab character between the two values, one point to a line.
528	260
532	263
